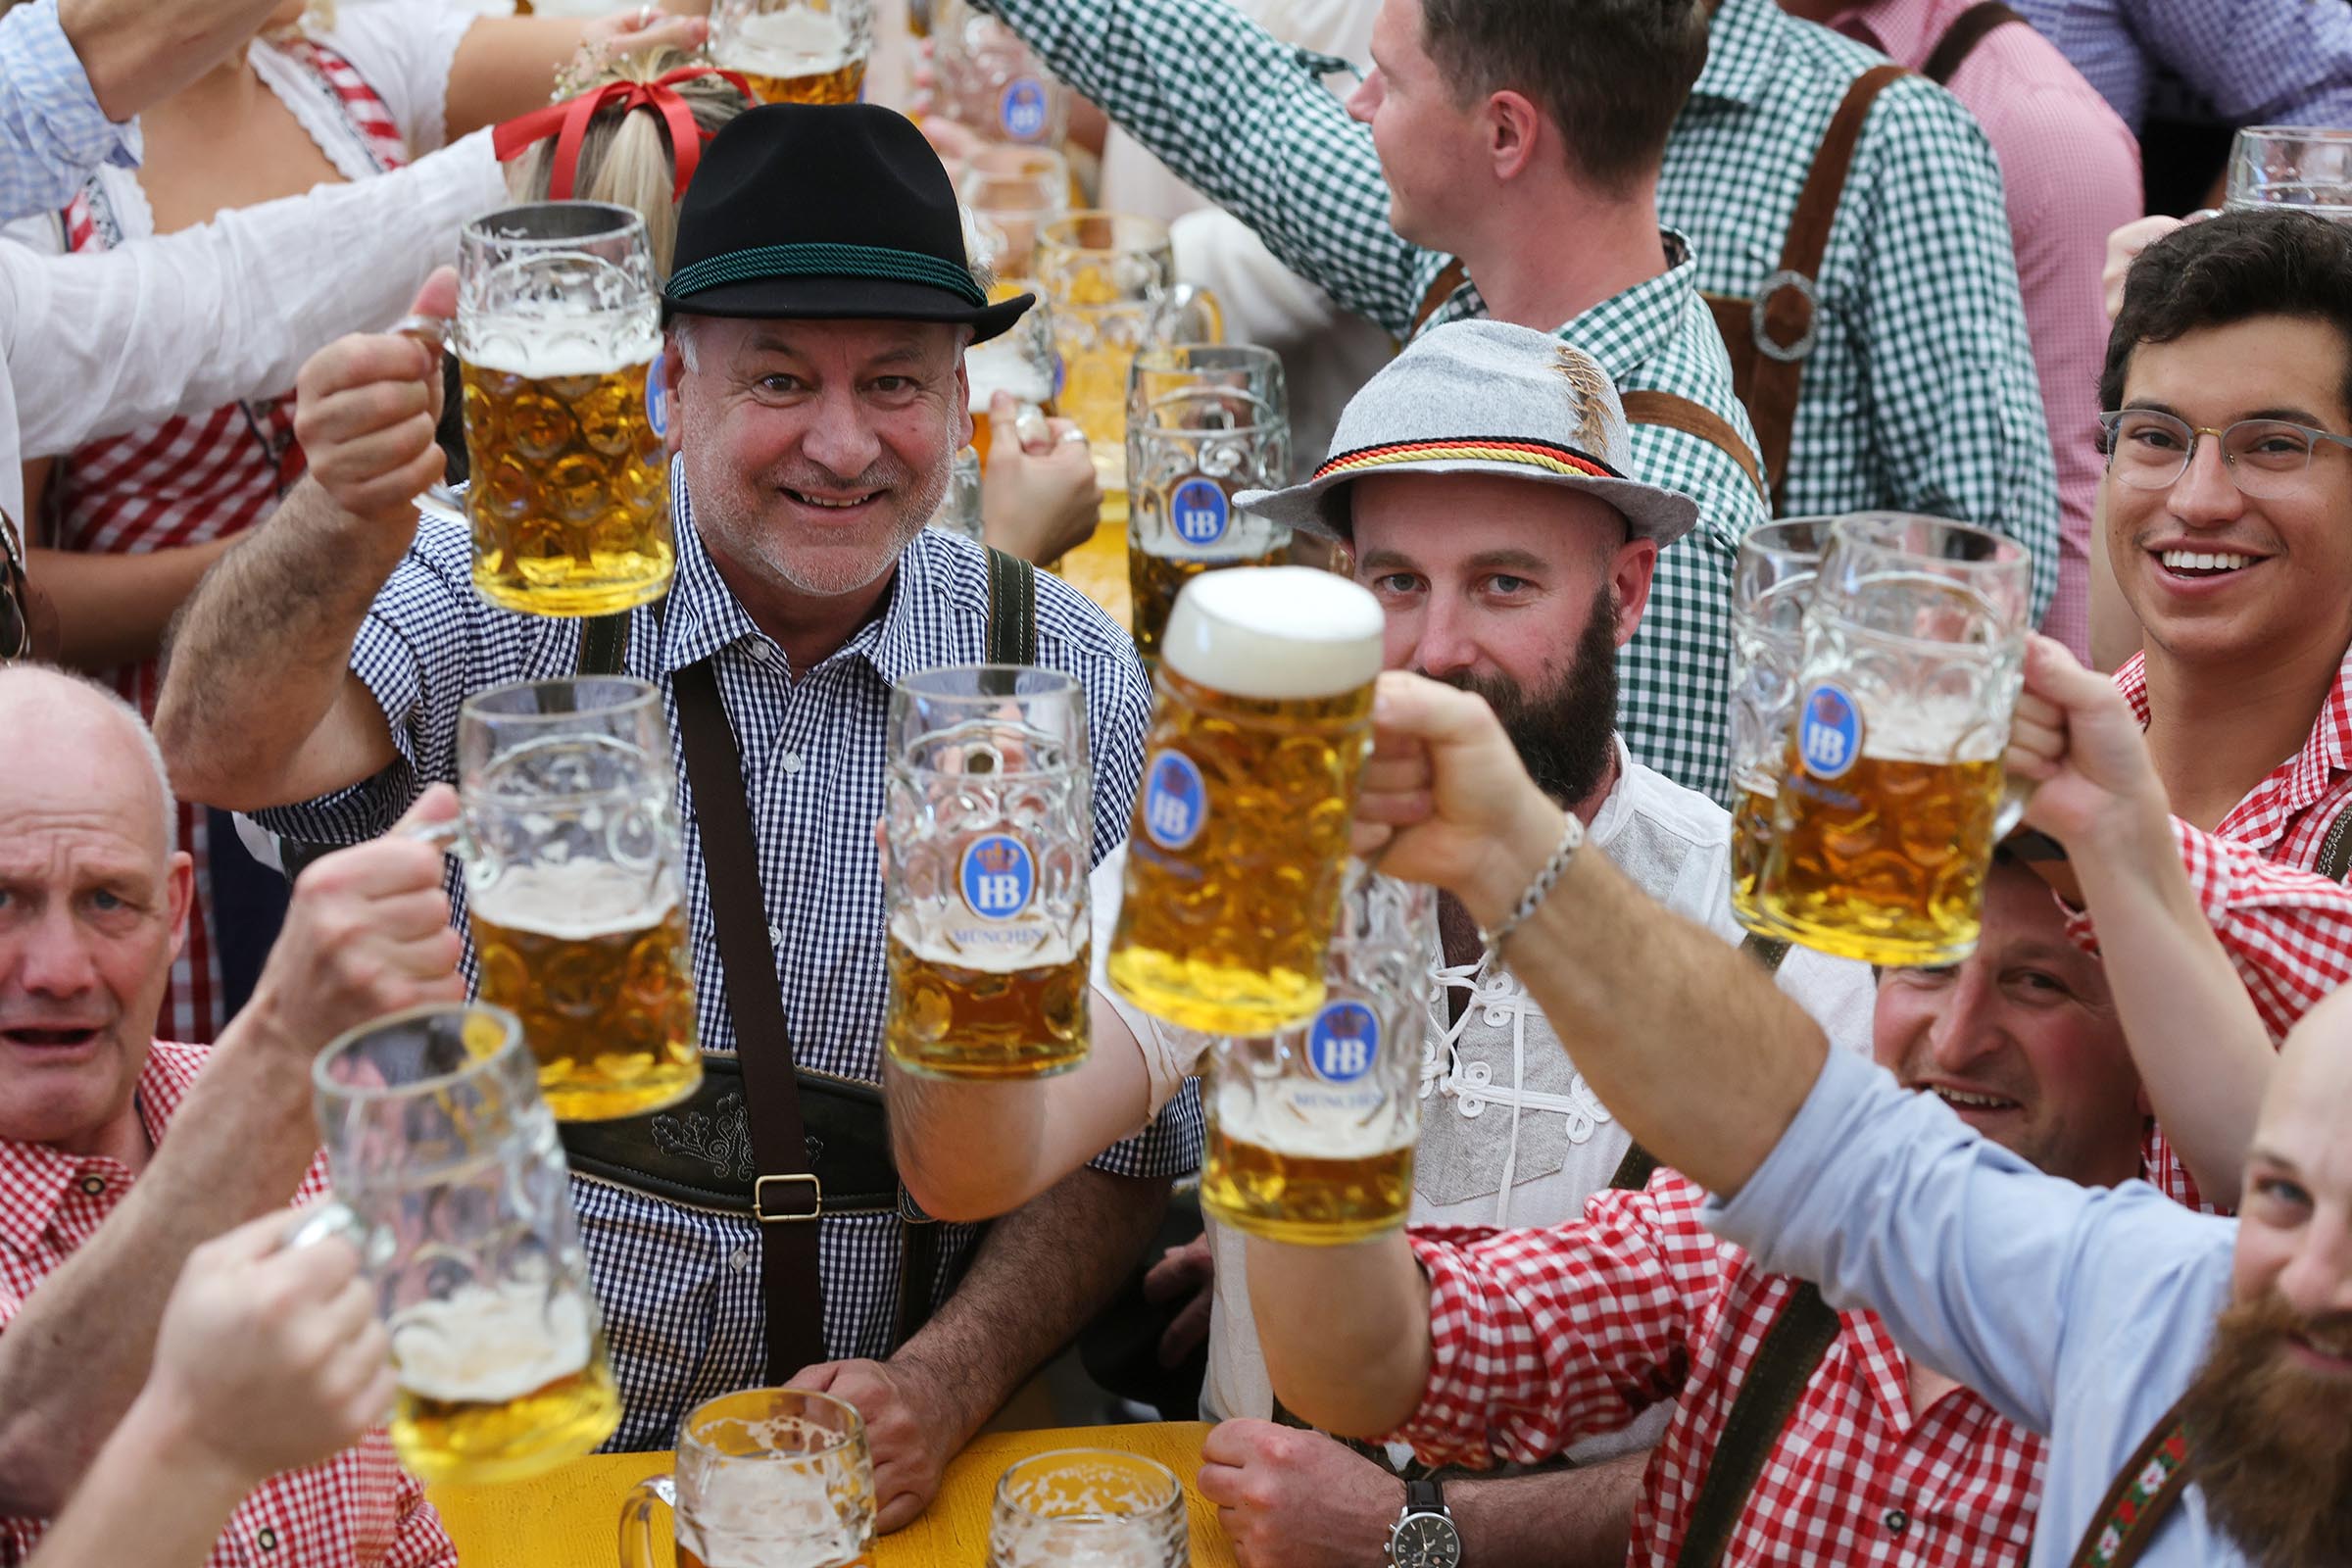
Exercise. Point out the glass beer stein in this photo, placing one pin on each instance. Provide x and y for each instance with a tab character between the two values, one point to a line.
449	1178
1241	828
2305	167
568	830
1204	423
1021	360
770	1478
988	823
1772	582
1016	188
1089	1509
794	51
1891	797
993	85
1311	1131
558	340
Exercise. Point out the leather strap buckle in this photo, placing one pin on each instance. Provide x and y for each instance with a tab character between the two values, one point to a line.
1809	294
816	1200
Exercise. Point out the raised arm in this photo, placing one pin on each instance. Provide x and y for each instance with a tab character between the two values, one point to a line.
2257	61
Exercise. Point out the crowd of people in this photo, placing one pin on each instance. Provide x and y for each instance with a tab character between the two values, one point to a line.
1718	1249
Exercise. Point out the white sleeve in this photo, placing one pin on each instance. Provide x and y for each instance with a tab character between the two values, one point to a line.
1170	1055
405	49
101	344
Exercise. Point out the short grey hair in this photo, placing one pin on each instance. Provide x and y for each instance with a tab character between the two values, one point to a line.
12	674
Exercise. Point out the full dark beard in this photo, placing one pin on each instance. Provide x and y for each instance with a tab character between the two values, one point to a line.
1564	735
2270	1444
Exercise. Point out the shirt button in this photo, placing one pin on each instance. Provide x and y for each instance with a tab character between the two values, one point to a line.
265	1538
93	1185
1896	1521
764	653
790	762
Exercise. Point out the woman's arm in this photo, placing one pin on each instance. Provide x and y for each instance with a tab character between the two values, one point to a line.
113	610
506	66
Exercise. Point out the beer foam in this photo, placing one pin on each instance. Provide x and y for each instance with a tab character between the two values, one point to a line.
1002	368
487	1344
1274	633
1313	1121
755	1515
573	900
798	42
554	347
1931	730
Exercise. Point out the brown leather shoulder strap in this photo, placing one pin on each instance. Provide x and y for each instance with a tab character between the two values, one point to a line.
1671	411
1453	276
1961	38
2336	850
2142	1495
1799	1337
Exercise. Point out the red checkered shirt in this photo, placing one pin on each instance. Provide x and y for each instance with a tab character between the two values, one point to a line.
1543	1337
359	1508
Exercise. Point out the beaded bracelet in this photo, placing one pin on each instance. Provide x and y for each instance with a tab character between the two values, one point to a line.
1572	834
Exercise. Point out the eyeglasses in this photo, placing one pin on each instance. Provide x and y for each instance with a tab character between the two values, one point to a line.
16	624
2268	458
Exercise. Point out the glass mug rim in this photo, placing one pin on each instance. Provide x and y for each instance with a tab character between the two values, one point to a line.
1255	352
1152	1467
1872	530
482	706
1057	684
620	222
851	1433
509	1046
2337	133
1055	229
1768	538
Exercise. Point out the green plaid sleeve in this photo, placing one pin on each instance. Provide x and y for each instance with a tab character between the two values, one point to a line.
1242	117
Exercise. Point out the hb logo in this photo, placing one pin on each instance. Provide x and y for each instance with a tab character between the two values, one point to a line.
999	876
1199	512
1828	731
1175	803
657	398
1343	1042
1022	108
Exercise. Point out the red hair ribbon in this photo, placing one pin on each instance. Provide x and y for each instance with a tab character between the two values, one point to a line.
568	121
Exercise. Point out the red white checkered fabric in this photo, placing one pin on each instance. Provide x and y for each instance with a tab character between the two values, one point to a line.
1543	1337
359	1508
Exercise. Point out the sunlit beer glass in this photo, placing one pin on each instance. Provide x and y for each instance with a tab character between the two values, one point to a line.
569	833
2305	167
1020	360
993	85
770	1478
1088	1508
1311	1131
1241	824
1204	423
1772	582
1891	797
960	509
450	1179
558	340
988	823
1017	189
794	51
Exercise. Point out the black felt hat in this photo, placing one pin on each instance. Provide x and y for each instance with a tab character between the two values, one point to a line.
837	212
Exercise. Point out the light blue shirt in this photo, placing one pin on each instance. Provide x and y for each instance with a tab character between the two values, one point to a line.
52	131
2256	61
2081	1314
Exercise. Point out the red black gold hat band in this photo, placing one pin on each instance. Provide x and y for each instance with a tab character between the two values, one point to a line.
1544	455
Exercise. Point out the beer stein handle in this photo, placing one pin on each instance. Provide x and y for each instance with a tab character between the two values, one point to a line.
430	330
1190	314
2016	795
448	835
637	1518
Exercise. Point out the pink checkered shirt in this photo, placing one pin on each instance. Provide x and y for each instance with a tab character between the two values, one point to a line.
358	1509
2070	170
1543	1337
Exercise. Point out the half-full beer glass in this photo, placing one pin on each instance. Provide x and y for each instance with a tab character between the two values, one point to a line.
1263	720
559	339
2305	167
796	51
993	85
1016	188
770	1478
1204	423
569	833
1311	1131
1021	360
989	817
1089	1509
1891	797
1772	582
449	1176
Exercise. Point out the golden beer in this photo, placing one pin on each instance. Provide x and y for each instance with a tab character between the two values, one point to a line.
798	55
952	1021
604	990
1311	1198
1154	581
1093	393
1248	790
499	1382
570	495
1000	365
1751	842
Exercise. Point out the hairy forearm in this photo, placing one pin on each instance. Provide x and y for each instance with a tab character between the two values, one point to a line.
144	1505
111	610
1357	1373
137	53
1580	1518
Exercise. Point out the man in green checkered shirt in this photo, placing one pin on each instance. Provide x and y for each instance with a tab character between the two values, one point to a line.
1548	196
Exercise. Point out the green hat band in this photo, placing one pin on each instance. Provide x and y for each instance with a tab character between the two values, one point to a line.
825	260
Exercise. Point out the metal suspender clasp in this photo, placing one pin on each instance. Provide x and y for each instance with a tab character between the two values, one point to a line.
815	1200
1807	316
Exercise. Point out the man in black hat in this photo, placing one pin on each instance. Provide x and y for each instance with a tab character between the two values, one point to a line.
813	359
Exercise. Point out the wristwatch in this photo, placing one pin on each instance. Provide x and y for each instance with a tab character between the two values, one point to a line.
1423	1536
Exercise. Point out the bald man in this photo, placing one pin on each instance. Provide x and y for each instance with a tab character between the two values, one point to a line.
99	1207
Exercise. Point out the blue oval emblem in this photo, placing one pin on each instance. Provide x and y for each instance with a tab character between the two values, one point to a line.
1199	512
1175	801
1828	731
1343	1042
999	876
1021	111
657	398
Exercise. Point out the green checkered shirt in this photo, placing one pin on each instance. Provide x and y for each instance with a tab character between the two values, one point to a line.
1287	160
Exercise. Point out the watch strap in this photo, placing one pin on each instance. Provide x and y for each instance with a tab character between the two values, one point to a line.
1425	1495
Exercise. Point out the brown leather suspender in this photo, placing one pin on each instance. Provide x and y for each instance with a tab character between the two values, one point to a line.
1961	38
1672	412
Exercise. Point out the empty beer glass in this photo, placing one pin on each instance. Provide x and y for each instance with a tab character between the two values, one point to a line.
993	85
1204	423
989	824
449	1178
1089	1509
794	51
1311	1131
569	833
2305	167
1017	189
1241	828
1891	797
1772	583
770	1478
558	340
1021	360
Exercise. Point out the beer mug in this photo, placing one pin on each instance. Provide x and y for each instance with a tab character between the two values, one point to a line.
1891	797
1311	1131
993	85
768	1478
2305	167
1089	1509
449	1180
1202	423
1772	582
989	816
959	509
558	340
1017	189
794	51
1020	360
1241	827
568	830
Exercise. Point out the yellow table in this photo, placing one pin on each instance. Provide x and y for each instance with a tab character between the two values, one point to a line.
570	1518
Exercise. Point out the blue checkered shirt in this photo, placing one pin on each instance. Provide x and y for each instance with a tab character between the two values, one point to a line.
2255	62
52	131
680	1287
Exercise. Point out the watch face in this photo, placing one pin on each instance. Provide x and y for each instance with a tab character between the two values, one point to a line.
1426	1540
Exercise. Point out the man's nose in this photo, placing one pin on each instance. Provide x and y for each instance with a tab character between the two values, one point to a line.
53	956
1968	1028
840	437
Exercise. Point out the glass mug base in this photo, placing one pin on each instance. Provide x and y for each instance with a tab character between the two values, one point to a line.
1754	918
1891	951
613	1088
476	1443
565	588
972	1066
1303	1199
1216	998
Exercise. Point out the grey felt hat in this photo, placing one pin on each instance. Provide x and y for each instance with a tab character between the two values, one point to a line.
1483	396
